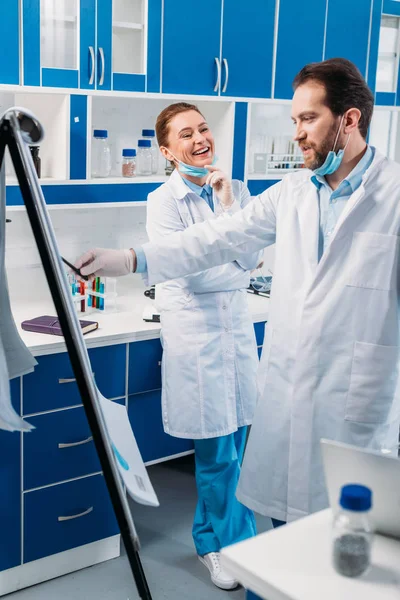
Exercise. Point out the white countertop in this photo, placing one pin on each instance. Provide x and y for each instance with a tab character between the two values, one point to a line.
124	325
293	562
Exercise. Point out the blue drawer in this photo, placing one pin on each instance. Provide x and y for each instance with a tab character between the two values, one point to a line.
145	416
10	496
144	366
52	385
45	461
45	534
259	329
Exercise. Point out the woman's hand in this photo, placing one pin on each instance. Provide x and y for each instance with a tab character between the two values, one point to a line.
221	184
104	262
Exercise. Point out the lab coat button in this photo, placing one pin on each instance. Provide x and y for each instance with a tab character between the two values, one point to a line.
224	307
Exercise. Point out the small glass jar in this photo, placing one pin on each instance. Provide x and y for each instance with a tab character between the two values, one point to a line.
352	532
150	134
144	157
128	162
101	154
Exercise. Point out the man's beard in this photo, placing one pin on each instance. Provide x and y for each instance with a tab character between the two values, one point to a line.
323	150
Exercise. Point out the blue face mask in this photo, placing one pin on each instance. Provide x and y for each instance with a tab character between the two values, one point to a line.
333	160
186	169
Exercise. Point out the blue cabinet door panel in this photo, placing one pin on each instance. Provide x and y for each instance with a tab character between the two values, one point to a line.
145	417
300	41
104	44
191	42
351	45
52	385
31	29
247	46
144	372
87	38
65	78
77	136
45	534
374	43
45	462
154	46
9	43
127	82
10	496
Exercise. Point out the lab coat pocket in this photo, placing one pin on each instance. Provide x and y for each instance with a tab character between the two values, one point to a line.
372	384
373	261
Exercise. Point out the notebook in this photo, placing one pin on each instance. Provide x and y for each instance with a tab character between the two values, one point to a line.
51	325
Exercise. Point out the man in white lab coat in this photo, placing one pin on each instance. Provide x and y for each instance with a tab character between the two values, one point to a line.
329	366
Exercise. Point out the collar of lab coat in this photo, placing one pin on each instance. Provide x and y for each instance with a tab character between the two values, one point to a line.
178	187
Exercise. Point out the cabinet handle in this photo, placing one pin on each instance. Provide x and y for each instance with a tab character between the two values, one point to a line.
91	51
226	75
101	52
73	444
159	363
71	380
218	82
82	514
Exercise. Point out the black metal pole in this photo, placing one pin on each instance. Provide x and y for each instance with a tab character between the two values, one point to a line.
44	235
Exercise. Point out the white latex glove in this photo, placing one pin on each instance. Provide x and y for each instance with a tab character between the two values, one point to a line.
222	186
104	262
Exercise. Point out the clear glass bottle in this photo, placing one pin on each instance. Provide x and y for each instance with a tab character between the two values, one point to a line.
101	154
144	157
150	134
128	162
352	532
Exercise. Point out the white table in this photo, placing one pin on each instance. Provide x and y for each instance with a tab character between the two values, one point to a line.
293	562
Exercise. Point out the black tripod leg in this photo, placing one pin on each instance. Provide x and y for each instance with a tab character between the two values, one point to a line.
48	250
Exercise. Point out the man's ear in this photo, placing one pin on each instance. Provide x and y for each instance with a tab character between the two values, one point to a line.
351	120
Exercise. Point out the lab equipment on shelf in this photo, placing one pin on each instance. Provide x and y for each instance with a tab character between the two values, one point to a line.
274	154
128	162
144	157
150	135
352	531
101	154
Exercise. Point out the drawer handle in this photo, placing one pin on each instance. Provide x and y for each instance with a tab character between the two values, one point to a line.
82	514
70	380
159	363
73	444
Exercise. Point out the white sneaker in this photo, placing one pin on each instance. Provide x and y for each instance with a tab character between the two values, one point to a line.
218	576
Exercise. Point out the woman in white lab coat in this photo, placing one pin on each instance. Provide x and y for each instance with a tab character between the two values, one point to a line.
210	357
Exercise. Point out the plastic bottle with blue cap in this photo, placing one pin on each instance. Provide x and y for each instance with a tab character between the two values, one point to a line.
150	134
101	154
352	531
144	157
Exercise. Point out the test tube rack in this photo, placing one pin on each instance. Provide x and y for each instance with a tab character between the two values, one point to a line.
100	294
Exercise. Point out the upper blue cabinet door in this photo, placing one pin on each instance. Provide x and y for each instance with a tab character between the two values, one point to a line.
87	53
354	44
51	42
247	48
191	47
301	31
104	44
9	43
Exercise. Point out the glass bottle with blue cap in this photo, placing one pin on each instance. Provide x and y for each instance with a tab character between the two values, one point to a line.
144	157
352	531
101	154
150	134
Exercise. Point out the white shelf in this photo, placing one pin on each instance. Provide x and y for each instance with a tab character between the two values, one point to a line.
108	180
126	25
67	19
276	174
83	206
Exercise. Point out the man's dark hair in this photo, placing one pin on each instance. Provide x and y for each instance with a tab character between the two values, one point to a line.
344	85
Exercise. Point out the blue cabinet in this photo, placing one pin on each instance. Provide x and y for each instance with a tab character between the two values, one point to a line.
9	43
145	417
144	370
247	48
66	516
300	41
227	49
355	44
10	496
191	47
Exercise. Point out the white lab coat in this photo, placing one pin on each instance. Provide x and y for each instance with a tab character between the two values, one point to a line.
329	366
209	365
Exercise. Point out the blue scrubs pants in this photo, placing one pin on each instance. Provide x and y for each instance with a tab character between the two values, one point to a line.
220	519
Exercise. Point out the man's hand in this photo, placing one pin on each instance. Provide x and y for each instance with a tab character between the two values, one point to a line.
104	262
221	184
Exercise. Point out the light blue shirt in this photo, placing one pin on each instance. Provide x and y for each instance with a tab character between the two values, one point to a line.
332	203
